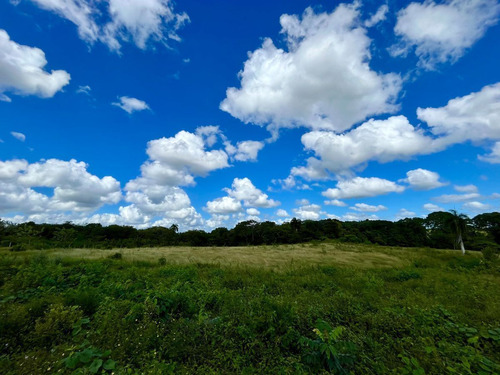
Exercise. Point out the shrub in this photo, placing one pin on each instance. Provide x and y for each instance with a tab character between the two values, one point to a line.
19	247
57	324
162	261
490	253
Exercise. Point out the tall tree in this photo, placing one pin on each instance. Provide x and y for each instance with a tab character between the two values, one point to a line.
459	224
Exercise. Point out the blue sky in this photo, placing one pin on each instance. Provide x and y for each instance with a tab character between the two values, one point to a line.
204	113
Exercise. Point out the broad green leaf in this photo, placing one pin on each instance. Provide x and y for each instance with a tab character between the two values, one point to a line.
109	365
95	366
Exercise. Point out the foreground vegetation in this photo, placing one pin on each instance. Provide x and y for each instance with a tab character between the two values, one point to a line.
302	309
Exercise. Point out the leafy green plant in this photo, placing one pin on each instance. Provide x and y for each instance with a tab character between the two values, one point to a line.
89	358
411	366
327	351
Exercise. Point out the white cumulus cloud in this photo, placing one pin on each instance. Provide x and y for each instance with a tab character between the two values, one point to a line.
361	187
131	105
308	212
116	21
22	71
422	179
282	213
476	206
335	202
363	207
244	151
74	188
472	117
244	190
224	205
466	188
322	81
443	32
494	156
382	140
432	207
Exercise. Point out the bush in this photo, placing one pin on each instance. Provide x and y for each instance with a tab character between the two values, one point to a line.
490	253
162	261
19	247
57	324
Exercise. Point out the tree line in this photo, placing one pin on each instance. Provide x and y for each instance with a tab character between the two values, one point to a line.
442	230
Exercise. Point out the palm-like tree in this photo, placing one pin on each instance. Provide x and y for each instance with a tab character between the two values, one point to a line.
458	224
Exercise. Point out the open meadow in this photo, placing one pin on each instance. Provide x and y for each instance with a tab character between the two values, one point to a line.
322	307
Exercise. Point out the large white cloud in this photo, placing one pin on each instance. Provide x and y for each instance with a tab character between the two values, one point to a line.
74	188
224	205
360	187
382	140
472	117
22	71
443	32
422	179
323	81
140	21
242	193
174	160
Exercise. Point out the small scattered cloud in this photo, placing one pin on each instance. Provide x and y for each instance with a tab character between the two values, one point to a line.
335	202
354	216
404	213
308	212
379	16
422	179
84	90
282	213
131	105
476	206
454	198
432	207
360	187
493	157
363	207
19	136
466	188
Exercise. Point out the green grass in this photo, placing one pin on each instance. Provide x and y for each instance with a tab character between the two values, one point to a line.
302	309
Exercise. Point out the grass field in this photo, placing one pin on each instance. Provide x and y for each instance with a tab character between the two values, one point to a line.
302	309
268	257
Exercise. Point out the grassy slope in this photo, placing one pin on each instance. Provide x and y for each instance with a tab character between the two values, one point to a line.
250	310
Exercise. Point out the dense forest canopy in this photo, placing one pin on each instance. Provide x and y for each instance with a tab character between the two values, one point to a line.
436	230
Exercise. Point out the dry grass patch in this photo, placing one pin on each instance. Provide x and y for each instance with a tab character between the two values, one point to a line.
269	257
